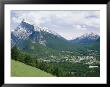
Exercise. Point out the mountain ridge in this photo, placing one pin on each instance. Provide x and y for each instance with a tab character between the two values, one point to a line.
27	33
86	38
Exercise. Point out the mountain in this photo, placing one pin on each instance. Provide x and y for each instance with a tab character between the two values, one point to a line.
26	34
86	39
28	37
49	46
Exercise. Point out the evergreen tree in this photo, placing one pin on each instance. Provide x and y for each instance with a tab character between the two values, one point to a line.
15	53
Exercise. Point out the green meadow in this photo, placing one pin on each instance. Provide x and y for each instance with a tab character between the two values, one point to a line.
19	69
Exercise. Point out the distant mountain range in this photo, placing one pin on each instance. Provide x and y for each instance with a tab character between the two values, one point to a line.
27	34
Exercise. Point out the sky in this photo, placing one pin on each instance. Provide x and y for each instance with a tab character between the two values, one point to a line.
69	24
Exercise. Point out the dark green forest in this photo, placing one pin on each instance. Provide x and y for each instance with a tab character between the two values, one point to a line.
59	68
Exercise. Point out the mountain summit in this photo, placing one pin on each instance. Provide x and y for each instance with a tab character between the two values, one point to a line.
29	33
86	38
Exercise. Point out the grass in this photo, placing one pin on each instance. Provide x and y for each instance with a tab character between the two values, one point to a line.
19	69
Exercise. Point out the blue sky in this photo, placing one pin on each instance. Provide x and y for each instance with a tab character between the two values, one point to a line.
69	24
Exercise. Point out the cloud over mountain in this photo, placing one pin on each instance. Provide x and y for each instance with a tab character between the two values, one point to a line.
69	24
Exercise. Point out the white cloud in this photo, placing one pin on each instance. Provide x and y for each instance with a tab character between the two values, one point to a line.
70	24
81	27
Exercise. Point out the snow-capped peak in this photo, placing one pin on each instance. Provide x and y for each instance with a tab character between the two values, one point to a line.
25	29
45	29
91	36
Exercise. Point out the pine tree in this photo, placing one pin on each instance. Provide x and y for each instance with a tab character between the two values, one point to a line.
15	53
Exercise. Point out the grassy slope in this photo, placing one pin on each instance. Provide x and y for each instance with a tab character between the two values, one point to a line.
19	69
